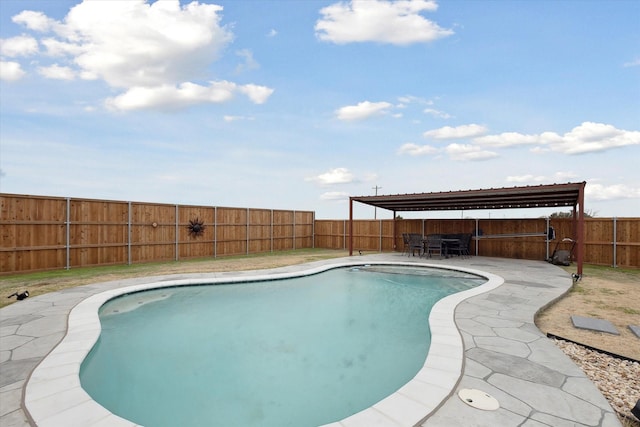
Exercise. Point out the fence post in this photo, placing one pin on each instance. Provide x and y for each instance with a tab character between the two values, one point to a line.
177	232
213	244
68	234
547	239
294	230
380	232
476	239
313	229
129	234
271	231
344	234
248	220
615	242
215	231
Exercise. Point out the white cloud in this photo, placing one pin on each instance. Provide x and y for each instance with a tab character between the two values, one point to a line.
468	152
334	176
380	21
18	46
133	43
272	33
611	192
417	150
36	21
459	132
507	139
523	179
634	63
438	114
58	48
363	110
249	63
334	195
257	94
186	94
585	138
229	118
11	71
558	177
564	176
593	191
156	52
590	137
409	99
57	72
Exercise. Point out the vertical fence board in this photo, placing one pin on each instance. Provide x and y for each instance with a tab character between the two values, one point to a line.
303	229
259	230
330	234
192	245
98	232
32	233
232	231
283	230
153	232
628	241
599	240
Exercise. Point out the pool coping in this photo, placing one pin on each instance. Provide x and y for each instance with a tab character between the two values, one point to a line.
505	354
54	395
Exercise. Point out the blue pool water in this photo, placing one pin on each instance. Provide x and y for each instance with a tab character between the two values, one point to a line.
296	352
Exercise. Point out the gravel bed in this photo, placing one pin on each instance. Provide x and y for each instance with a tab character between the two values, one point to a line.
617	379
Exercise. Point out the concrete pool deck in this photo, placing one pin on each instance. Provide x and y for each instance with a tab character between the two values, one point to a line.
505	355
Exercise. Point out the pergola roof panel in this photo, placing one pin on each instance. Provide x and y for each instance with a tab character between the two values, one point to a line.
540	196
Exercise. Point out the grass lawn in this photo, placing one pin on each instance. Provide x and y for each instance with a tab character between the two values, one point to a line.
51	281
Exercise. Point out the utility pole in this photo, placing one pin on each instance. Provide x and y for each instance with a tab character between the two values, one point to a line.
375	210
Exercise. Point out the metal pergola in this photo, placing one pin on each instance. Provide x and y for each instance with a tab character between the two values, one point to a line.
538	196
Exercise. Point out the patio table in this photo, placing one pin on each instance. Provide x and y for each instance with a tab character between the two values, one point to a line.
447	243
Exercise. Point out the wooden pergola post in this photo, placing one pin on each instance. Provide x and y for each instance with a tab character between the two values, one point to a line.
393	244
350	226
580	231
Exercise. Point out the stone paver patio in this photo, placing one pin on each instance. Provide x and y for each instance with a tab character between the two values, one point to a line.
505	355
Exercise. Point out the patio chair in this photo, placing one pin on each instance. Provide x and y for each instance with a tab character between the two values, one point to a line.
433	245
461	246
415	244
466	243
405	241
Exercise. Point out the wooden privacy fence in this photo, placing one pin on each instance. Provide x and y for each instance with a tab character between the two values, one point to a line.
608	241
45	233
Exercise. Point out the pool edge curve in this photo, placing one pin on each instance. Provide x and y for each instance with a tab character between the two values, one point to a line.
53	394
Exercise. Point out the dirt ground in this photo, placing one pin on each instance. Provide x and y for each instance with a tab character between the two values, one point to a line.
603	293
51	281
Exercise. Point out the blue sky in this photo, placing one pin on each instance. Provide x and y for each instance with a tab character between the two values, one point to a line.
299	104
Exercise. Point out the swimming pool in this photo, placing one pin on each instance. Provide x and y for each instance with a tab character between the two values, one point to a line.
54	396
305	351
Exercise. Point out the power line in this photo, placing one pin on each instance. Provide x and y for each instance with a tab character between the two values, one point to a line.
375	210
